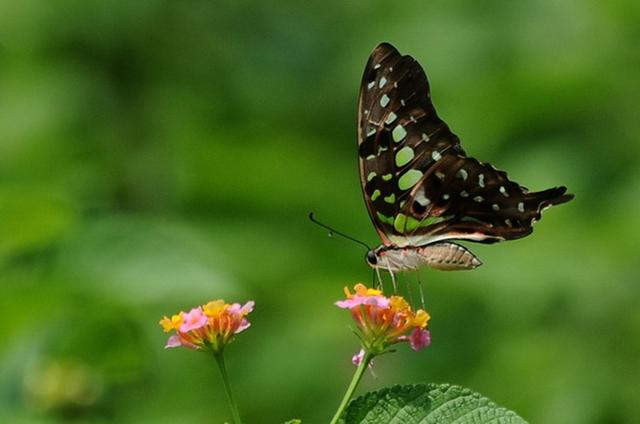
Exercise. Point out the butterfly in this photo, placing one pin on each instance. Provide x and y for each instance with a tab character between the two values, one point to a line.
421	189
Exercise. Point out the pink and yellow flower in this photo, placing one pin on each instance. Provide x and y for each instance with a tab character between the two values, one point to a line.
383	321
208	327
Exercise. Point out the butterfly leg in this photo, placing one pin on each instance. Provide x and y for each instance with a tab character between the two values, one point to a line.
393	279
420	287
379	285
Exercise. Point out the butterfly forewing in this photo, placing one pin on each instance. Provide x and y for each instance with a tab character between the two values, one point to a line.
419	185
398	133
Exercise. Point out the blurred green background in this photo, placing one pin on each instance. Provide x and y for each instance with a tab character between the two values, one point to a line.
158	154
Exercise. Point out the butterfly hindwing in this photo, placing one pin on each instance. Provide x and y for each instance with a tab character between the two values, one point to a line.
419	185
462	198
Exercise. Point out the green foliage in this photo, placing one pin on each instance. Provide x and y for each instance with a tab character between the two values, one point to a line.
427	404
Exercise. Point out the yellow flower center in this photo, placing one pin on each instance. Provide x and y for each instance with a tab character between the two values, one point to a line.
214	308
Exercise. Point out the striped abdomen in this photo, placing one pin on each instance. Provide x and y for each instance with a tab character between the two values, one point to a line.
445	256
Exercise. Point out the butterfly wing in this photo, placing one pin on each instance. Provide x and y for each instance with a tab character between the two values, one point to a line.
395	117
461	198
419	186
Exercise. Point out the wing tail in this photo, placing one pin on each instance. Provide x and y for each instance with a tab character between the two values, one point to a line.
550	197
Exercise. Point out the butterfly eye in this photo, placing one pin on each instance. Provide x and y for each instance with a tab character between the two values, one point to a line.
371	257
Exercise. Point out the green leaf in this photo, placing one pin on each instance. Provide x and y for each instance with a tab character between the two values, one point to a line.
427	404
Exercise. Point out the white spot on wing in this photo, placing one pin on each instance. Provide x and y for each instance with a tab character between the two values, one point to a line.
425	137
382	82
478	199
422	199
409	179
462	174
436	156
481	180
392	117
504	191
404	156
370	85
398	133
495	207
521	207
371	131
463	193
384	100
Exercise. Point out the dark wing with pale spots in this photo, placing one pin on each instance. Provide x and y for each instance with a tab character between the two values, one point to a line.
418	184
398	133
461	198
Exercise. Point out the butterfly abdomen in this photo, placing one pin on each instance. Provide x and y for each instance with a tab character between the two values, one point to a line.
444	256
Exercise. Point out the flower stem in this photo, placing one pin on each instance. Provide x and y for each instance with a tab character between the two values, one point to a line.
352	387
227	387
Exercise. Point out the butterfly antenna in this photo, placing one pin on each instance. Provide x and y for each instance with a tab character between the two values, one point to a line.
332	232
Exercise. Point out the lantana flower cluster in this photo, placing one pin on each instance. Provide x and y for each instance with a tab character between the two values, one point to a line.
383	321
208	327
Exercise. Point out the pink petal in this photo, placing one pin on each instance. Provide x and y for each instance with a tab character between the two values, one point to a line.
357	360
234	308
347	304
174	341
244	309
248	307
358	357
193	320
379	301
419	339
243	325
